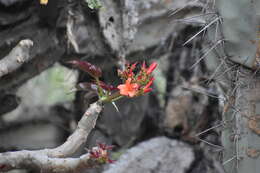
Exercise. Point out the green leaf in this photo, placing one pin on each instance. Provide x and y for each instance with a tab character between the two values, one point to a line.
94	4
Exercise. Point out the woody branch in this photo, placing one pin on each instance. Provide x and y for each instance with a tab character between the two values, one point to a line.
56	159
18	55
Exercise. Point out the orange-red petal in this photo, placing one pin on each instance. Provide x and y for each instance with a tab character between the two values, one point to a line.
128	89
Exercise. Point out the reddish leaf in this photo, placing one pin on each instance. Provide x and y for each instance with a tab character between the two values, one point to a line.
107	87
91	69
2	166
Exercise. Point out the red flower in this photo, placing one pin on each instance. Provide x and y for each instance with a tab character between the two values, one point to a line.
136	84
128	89
105	147
100	153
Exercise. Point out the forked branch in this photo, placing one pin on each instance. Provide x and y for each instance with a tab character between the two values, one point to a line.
56	159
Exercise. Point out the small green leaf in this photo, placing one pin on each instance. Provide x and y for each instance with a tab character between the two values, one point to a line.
94	4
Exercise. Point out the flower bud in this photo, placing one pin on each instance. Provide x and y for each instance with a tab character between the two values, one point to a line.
151	68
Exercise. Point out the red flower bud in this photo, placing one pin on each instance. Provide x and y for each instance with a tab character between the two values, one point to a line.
152	78
147	90
148	85
133	67
144	66
100	153
151	68
105	147
111	161
94	154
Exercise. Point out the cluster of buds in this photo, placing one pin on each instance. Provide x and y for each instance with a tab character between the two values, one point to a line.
134	83
100	153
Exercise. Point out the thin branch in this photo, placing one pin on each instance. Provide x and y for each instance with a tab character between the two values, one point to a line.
85	125
50	160
39	160
18	56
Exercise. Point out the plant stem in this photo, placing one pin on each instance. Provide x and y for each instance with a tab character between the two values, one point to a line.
115	96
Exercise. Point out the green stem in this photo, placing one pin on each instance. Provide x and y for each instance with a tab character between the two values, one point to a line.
115	96
100	91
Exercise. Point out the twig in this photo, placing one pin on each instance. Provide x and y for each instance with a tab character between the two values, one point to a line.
18	56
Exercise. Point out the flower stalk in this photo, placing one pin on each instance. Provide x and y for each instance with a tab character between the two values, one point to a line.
134	83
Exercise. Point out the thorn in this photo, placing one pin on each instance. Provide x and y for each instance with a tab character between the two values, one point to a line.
192	17
214	46
227	70
216	31
215	72
176	11
203	92
213	145
181	8
229	160
114	104
211	128
204	28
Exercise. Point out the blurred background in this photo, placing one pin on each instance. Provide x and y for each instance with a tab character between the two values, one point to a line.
165	131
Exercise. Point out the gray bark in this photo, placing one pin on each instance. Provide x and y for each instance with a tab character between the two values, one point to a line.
53	160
